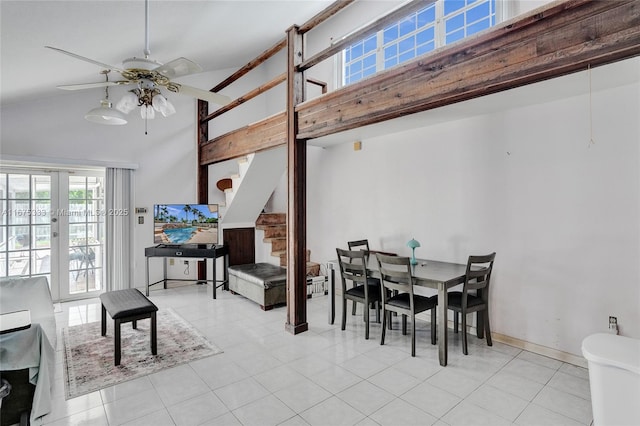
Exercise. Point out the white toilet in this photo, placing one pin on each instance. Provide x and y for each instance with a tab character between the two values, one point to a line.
614	375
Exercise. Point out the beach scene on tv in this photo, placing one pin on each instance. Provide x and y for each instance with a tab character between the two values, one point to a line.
185	223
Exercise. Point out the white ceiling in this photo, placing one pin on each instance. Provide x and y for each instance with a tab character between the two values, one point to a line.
216	34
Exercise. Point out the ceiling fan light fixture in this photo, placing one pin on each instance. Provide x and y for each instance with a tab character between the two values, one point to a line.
147	112
162	105
127	103
104	114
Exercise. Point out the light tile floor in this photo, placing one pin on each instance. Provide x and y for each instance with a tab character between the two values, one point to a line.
324	376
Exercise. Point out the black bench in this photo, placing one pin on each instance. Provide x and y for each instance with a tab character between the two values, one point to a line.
127	306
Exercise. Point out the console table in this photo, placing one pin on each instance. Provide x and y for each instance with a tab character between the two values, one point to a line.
199	251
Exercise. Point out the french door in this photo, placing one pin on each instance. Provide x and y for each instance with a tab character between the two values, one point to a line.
52	225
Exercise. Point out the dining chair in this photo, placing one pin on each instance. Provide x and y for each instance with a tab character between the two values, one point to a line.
396	276
366	290
358	245
477	278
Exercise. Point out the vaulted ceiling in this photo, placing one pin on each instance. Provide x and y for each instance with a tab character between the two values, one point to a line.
216	34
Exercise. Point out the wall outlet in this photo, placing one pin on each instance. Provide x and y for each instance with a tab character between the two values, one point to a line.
186	262
613	325
172	261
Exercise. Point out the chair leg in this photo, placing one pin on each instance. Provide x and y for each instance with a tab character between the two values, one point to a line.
377	304
154	334
390	319
384	320
487	328
366	321
344	313
455	321
404	325
353	309
480	324
465	349
433	326
413	335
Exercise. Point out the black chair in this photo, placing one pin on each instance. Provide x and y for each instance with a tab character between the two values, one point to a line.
477	279
358	245
366	290
396	276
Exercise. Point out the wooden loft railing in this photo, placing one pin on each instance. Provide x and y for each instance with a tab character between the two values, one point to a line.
552	41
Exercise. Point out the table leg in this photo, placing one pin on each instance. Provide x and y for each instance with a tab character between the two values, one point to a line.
147	276
103	322
442	324
215	276
116	341
164	271
226	271
332	293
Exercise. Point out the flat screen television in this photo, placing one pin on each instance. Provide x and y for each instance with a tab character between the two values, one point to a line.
178	224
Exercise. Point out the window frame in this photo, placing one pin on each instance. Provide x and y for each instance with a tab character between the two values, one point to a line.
438	24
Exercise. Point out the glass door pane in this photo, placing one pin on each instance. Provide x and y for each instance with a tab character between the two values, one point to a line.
25	224
86	234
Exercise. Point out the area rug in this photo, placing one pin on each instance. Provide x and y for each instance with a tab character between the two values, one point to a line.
88	356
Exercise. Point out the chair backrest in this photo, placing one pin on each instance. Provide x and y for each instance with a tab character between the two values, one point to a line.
478	273
353	266
395	273
358	245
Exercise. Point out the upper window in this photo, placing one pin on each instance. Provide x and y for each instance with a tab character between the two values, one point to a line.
438	24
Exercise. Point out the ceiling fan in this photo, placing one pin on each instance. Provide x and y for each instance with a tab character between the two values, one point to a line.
148	76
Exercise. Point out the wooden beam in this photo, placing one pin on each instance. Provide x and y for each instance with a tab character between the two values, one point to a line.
203	176
251	65
249	95
264	134
297	189
203	169
366	31
327	13
550	42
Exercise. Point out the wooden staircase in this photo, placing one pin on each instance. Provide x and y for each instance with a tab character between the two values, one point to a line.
274	226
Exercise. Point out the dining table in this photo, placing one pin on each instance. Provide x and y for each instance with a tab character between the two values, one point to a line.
427	273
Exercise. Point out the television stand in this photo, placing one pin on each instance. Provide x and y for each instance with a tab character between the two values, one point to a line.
198	251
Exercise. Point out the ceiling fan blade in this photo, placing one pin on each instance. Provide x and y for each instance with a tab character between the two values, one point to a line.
204	95
82	58
178	68
93	85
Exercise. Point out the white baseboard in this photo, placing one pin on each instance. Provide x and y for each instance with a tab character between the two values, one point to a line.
540	350
523	344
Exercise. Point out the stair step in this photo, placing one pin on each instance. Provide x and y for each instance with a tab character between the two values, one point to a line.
273	231
278	244
272	219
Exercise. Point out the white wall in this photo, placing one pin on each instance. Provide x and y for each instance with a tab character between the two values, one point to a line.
561	213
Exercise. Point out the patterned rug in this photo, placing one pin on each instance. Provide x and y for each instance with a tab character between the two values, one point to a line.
88	357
